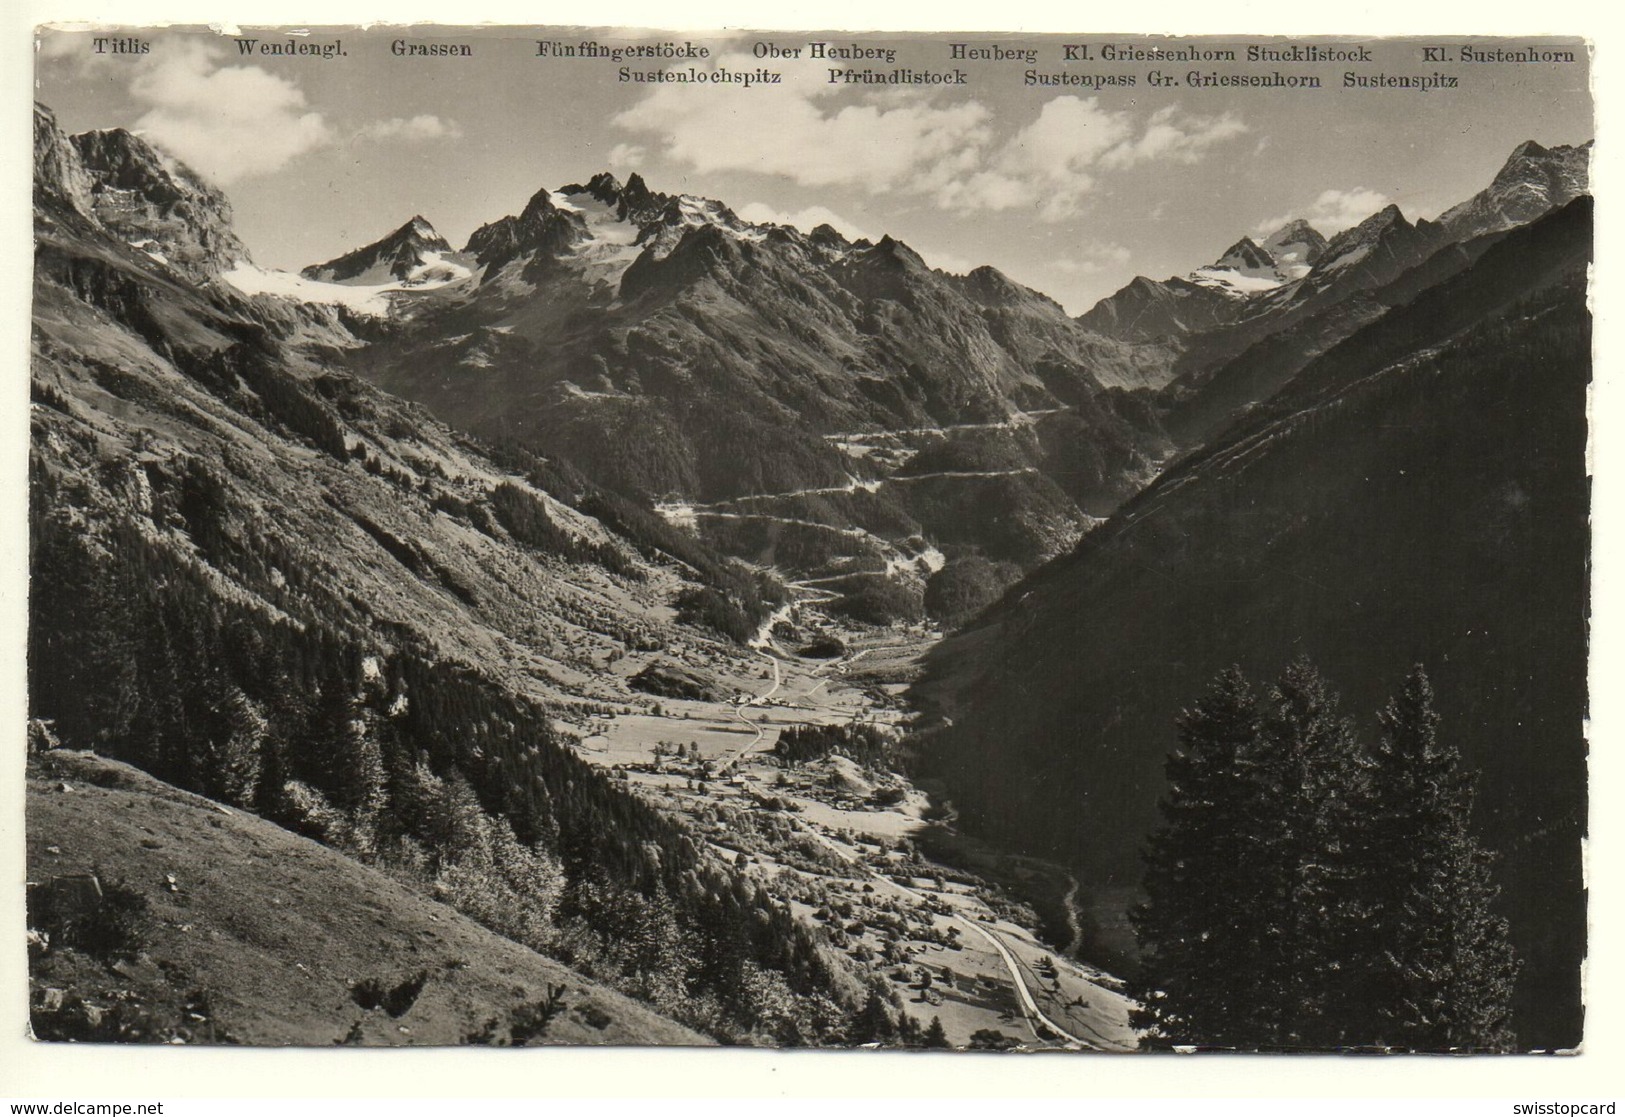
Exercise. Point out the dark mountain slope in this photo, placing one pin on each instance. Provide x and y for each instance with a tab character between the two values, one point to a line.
1416	494
263	580
1199	407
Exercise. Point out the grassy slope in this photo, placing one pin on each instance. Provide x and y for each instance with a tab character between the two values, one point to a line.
275	929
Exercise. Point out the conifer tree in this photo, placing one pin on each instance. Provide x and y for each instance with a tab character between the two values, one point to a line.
1309	772
1308	891
1193	927
874	1022
1440	969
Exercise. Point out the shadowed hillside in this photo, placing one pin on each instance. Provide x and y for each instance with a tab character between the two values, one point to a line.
1418	494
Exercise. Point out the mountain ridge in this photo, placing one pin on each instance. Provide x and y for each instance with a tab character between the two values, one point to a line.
1416	493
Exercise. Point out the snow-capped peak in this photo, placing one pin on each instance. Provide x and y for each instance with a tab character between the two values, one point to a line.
414	254
1295	247
1244	269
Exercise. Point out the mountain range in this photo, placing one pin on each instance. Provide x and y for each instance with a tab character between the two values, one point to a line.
1416	493
261	579
460	497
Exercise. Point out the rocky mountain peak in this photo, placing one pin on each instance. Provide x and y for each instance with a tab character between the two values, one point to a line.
1534	180
420	228
991	288
402	255
1295	244
58	171
156	203
638	203
889	248
1246	255
1357	241
632	201
543	228
827	234
603	186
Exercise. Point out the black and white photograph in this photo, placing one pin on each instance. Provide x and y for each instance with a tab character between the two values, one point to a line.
958	542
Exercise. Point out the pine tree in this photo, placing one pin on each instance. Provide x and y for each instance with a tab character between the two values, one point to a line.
874	1022
235	774
935	1036
1306	891
1309	773
1441	969
1194	928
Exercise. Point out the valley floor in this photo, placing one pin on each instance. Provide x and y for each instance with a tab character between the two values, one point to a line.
823	837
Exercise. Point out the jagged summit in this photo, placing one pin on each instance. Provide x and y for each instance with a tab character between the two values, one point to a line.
155	203
1533	180
598	220
1355	243
413	254
828	236
1245	255
603	186
1295	246
1308	268
1244	269
632	201
419	226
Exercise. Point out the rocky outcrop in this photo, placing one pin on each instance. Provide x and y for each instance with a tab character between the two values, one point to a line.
157	204
401	255
1533	181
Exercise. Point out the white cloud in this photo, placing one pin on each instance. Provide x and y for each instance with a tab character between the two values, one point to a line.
627	157
227	122
424	126
1333	211
1176	137
1049	164
790	133
62	42
804	219
920	142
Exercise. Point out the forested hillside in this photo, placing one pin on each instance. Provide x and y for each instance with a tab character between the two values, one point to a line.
1417	494
267	582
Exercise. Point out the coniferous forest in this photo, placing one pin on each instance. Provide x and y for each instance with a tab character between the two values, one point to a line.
1310	889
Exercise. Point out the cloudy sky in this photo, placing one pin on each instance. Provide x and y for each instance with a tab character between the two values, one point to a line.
1067	189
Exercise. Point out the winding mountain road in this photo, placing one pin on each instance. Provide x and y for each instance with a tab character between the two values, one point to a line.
1036	1017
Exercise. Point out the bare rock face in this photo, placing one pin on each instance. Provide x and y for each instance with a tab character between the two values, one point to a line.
1295	244
157	204
406	253
58	173
1533	180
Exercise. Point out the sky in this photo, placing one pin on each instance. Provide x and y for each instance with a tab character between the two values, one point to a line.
1069	189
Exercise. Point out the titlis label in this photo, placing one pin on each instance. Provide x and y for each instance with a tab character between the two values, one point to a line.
126	45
